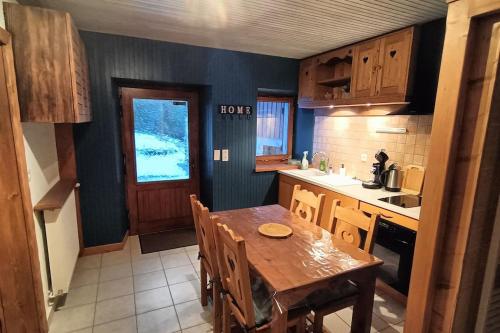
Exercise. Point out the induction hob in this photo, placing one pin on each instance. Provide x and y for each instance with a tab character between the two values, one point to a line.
404	201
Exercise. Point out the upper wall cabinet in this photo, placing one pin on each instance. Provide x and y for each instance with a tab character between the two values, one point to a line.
51	65
374	71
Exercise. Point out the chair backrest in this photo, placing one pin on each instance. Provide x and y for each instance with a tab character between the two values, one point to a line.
306	205
196	218
205	236
234	273
347	223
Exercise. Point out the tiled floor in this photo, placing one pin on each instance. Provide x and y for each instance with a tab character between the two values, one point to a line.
127	291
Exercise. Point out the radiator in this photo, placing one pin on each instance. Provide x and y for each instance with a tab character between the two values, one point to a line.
61	232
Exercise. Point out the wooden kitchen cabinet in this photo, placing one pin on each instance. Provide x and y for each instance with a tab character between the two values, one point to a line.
378	70
365	68
51	65
307	80
388	215
382	66
394	60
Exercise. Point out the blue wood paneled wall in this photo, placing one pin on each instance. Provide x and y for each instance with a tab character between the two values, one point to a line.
224	77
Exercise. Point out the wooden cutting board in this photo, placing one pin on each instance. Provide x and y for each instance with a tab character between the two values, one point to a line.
275	230
413	179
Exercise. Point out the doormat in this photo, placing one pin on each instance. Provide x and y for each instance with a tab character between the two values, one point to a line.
167	240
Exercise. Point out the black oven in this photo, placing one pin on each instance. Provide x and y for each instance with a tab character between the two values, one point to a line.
395	244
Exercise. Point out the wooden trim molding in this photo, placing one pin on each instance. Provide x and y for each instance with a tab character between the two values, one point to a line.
88	251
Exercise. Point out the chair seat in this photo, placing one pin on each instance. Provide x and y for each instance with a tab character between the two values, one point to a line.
263	304
325	297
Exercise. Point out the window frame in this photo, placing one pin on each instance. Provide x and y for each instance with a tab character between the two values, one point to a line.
281	158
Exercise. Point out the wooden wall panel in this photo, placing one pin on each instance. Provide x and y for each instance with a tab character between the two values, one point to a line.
224	77
21	292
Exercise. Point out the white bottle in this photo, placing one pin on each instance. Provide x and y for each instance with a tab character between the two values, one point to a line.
342	170
305	163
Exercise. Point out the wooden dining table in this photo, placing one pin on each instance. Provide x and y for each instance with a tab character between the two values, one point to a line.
307	261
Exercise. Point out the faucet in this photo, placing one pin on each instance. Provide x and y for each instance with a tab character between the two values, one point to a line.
324	158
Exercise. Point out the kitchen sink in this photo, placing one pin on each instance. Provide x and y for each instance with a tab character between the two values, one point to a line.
327	179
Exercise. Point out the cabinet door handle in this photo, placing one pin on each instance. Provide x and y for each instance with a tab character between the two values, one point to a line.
386	216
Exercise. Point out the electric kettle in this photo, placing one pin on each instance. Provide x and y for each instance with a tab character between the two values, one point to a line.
392	178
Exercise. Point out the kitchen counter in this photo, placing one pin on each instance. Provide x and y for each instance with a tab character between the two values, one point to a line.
352	188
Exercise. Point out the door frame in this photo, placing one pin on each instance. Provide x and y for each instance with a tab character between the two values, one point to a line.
22	293
128	145
438	276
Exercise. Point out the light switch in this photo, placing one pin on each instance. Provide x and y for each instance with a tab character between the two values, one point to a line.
225	155
217	155
364	157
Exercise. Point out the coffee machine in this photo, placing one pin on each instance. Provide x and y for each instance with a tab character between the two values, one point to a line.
377	169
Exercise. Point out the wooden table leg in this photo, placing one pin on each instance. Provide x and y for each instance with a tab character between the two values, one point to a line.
280	319
363	309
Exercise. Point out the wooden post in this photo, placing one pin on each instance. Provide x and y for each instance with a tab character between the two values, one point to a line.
457	142
22	306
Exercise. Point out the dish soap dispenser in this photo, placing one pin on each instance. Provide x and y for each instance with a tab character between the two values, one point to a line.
305	163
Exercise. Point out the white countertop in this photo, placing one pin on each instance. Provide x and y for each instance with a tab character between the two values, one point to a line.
352	188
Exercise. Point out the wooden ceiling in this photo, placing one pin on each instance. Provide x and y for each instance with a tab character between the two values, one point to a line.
288	28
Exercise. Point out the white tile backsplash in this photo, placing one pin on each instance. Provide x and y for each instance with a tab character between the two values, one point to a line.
344	139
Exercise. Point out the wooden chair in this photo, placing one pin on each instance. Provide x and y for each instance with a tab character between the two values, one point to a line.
346	225
306	205
208	260
235	277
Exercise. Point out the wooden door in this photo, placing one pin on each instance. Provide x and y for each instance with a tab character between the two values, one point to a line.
364	66
22	304
160	145
394	63
306	80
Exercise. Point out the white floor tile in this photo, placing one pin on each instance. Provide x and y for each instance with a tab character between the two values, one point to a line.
115	272
193	257
334	324
204	328
88	262
175	260
127	325
81	296
114	309
192	248
152	299
116	258
377	323
149	281
394	328
172	251
185	291
140	256
72	319
180	274
388	309
85	277
115	288
147	265
158	321
85	330
192	314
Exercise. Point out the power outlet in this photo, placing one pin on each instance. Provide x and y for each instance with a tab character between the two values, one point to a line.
364	157
225	155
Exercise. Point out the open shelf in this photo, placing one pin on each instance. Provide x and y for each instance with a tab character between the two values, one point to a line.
56	196
335	82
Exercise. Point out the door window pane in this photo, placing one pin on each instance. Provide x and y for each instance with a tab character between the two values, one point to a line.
272	127
161	140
